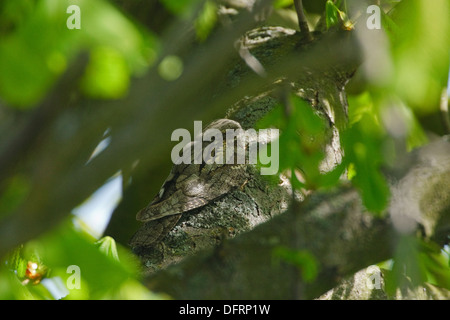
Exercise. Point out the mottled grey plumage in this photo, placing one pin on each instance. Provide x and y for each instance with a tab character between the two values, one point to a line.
191	186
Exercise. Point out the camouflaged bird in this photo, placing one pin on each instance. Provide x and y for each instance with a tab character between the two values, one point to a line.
190	186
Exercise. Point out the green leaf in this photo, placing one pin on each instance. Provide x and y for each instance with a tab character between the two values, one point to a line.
278	4
206	21
179	7
415	262
107	245
69	253
305	118
330	179
14	193
17	263
303	134
420	51
38	46
359	105
302	259
332	13
436	264
334	16
107	75
363	145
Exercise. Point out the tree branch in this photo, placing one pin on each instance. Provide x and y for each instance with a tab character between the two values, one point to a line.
333	226
62	180
302	22
21	143
315	82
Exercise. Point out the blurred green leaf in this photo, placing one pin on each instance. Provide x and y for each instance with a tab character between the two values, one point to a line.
11	288
389	25
65	247
334	16
359	105
107	75
274	118
16	262
436	264
14	13
277	4
108	246
417	261
363	145
420	48
13	195
206	20
69	257
302	259
331	14
303	134
397	118
179	7
407	270
37	50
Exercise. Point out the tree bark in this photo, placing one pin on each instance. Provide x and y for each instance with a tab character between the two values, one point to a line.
321	84
333	226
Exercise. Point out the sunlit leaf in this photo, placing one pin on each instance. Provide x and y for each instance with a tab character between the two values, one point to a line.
332	14
277	4
87	269
107	75
179	7
206	21
14	194
363	146
302	135
39	46
107	245
420	47
416	262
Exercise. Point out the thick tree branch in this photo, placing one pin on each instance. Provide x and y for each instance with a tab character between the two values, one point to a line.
314	67
333	226
20	144
320	84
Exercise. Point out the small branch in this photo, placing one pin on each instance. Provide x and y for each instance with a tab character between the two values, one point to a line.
302	23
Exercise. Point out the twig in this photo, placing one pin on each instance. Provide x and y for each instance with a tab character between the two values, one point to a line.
302	23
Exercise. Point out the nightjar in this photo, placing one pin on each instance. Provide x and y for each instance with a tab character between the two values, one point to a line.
190	186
